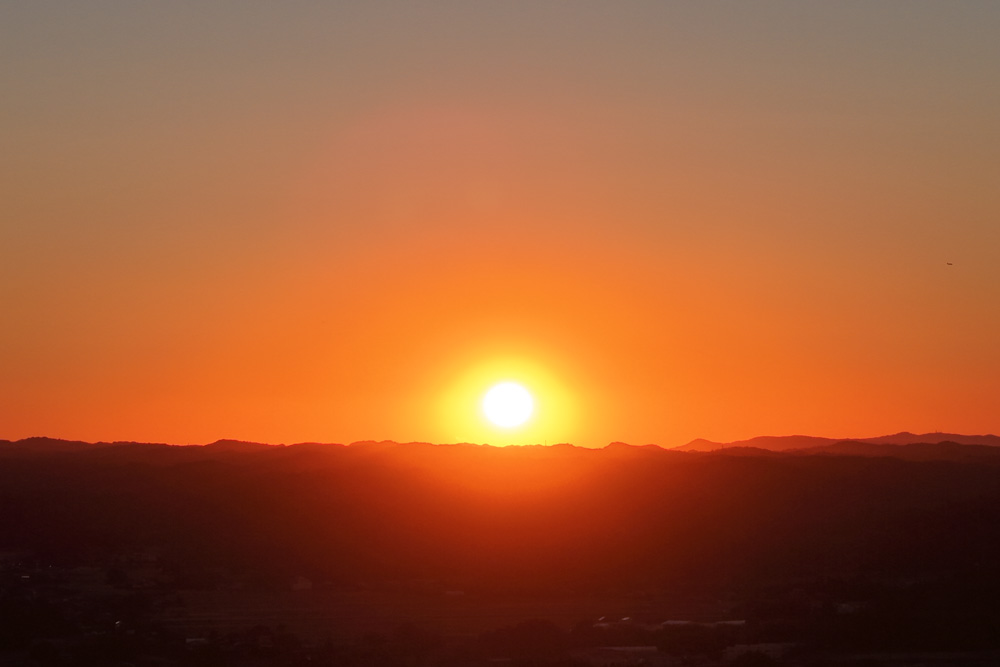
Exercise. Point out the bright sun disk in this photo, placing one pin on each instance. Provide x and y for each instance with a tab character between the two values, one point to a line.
508	404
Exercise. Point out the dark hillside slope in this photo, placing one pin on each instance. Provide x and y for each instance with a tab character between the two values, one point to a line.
532	517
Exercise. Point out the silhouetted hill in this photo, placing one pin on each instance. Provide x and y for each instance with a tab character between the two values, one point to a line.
801	442
746	451
40	445
918	451
31	447
905	438
524	517
238	445
768	442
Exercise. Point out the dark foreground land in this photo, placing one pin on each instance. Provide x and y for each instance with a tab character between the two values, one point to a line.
387	554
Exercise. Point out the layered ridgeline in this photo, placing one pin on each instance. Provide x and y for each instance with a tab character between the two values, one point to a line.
907	446
532	517
885	445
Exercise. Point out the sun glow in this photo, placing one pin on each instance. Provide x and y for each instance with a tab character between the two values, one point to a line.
508	404
509	400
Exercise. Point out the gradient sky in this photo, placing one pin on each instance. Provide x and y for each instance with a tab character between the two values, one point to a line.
332	222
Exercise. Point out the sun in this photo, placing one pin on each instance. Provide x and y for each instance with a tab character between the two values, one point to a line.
508	404
508	400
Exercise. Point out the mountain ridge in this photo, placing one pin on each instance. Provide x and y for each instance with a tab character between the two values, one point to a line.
783	443
766	443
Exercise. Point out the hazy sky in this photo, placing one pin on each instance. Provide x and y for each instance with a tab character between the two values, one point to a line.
343	221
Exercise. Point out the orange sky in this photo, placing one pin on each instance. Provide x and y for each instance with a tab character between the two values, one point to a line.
333	224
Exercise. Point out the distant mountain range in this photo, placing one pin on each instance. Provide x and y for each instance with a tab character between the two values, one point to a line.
842	445
884	445
952	447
